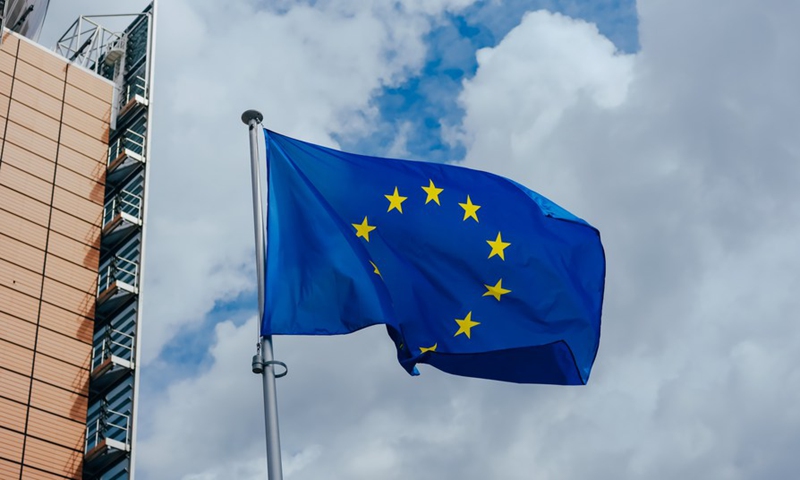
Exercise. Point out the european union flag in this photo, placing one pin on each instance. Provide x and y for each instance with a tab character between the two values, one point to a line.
470	272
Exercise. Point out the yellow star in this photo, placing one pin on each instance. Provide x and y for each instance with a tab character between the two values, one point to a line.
433	193
377	272
498	245
363	229
465	325
496	291
395	201
428	349
470	209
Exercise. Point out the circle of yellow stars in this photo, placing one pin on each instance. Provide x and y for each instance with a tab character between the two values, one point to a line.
498	247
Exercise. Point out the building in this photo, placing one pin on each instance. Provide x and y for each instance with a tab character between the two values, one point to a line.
74	148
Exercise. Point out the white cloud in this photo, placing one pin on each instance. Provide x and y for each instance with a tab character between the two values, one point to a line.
684	155
347	410
681	156
547	66
200	423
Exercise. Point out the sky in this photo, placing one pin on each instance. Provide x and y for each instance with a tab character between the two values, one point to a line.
670	125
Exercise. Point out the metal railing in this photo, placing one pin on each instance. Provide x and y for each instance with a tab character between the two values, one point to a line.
87	43
129	140
135	86
123	202
111	425
114	343
121	270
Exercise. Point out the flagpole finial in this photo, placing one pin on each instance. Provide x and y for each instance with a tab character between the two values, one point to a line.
250	115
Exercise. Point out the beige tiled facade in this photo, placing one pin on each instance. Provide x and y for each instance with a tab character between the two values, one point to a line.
54	126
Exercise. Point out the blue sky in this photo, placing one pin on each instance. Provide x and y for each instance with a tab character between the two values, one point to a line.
428	100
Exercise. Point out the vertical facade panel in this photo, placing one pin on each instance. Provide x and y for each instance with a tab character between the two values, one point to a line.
66	322
9	470
87	124
20	279
29	473
79	185
19	180
31	140
59	401
21	253
33	120
9	44
22	229
15	358
89	83
64	348
7	61
70	274
68	298
17	331
16	386
73	251
42	59
50	85
82	143
12	415
75	228
94	106
79	163
23	206
82	208
61	374
5	88
55	429
10	445
29	162
37	100
18	304
53	458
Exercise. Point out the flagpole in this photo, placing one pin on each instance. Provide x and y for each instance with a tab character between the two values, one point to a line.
264	361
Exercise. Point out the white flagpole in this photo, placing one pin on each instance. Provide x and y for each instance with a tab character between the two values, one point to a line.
264	362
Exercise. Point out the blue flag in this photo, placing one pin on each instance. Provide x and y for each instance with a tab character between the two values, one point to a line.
470	272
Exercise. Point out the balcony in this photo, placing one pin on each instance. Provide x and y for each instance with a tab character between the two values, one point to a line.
118	282
112	357
133	96
124	154
107	440
121	214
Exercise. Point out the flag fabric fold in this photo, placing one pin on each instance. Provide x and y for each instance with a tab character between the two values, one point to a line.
470	272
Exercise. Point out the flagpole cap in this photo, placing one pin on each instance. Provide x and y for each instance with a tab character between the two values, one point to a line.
250	115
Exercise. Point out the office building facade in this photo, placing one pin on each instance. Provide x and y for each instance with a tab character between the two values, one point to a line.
74	147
